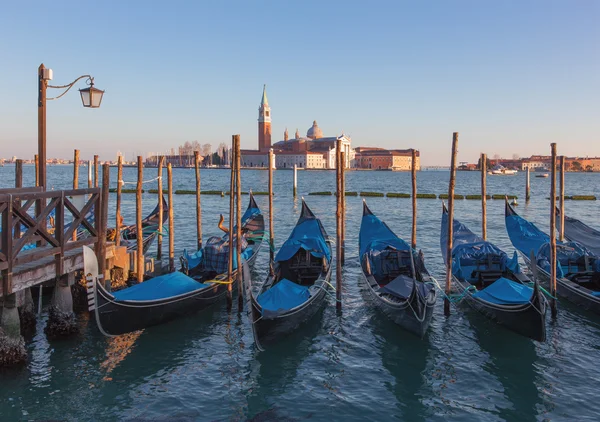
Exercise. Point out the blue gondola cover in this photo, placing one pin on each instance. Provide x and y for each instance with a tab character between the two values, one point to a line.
161	287
307	235
505	292
282	297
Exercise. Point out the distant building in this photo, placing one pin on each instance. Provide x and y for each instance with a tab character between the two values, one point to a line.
314	151
384	159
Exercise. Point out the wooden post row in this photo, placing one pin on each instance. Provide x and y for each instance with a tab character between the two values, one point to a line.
338	218
198	203
553	231
161	211
231	210
119	191
483	196
96	171
413	174
171	220
104	224
138	220
238	232
561	203
450	222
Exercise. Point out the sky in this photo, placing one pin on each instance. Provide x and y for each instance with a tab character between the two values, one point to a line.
510	76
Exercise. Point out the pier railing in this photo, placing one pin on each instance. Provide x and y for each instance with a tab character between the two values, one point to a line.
33	226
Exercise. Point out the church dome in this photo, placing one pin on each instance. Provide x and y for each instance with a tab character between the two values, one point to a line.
314	132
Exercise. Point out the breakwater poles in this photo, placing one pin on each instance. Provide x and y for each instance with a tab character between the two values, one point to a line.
118	206
561	200
413	176
198	203
527	190
451	186
553	231
138	220
171	222
161	211
238	223
271	211
483	196
231	203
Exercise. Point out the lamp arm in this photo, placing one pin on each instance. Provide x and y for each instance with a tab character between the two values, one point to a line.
90	81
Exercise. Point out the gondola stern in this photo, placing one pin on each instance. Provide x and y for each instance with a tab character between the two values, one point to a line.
366	209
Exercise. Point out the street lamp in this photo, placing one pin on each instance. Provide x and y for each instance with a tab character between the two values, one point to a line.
90	97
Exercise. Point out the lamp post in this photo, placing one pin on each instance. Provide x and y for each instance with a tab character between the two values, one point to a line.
90	97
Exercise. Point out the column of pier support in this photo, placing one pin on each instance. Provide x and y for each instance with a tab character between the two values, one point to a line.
12	344
61	319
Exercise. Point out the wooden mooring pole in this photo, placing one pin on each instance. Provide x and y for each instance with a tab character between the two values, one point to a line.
413	176
18	173
484	196
295	180
338	220
104	224
119	192
75	179
171	220
96	170
271	212
527	189
553	231
343	204
198	203
231	211
90	179
561	202
161	211
451	186
238	222
138	221
36	159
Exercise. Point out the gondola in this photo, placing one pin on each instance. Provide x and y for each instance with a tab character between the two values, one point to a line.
297	282
578	268
577	231
399	283
149	229
492	283
169	296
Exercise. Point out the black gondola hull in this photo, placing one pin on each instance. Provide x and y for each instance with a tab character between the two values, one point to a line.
271	330
413	315
119	317
573	292
528	319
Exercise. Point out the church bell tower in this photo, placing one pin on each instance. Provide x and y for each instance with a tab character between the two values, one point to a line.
264	123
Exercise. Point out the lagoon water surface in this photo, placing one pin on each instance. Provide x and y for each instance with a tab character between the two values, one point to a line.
353	365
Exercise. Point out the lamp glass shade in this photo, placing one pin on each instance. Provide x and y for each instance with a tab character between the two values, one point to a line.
91	97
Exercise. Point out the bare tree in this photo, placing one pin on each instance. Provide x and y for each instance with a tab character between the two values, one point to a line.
206	149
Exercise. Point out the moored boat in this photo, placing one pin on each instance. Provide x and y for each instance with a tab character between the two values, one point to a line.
395	275
492	283
169	296
578	268
296	285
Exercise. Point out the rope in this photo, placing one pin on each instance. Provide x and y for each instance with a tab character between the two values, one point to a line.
122	182
452	298
546	292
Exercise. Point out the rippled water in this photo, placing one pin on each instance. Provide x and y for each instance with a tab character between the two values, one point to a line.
353	365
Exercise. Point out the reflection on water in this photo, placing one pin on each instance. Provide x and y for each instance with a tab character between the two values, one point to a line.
353	365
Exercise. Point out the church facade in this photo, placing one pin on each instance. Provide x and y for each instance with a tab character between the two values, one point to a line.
313	151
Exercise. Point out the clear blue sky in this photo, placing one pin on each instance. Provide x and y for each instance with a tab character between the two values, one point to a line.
510	76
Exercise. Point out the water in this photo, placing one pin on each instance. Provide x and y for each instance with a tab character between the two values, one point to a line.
350	366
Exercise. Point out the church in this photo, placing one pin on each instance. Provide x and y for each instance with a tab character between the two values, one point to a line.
313	151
